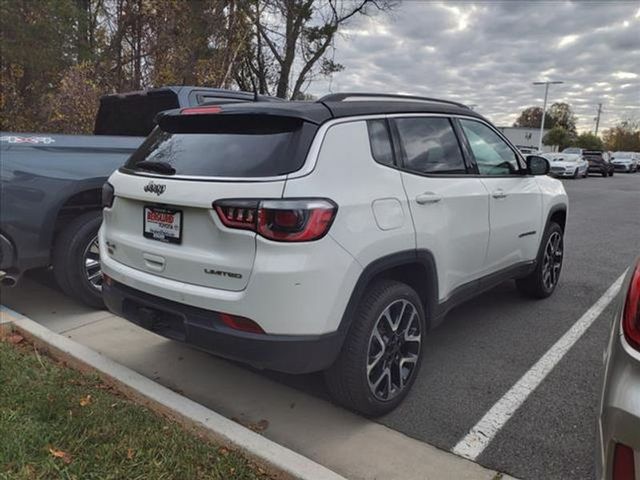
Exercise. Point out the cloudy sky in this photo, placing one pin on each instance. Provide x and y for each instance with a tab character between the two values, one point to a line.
488	53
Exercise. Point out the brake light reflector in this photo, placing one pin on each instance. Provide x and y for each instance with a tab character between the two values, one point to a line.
240	323
300	220
631	312
623	463
204	110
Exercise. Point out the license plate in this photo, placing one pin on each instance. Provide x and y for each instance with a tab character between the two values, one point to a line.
162	224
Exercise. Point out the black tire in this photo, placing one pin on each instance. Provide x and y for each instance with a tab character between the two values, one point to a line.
536	284
575	174
611	173
347	379
69	259
604	174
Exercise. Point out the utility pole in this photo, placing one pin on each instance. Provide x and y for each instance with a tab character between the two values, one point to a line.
598	118
544	108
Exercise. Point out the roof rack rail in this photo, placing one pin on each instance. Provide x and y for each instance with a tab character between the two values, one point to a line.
341	97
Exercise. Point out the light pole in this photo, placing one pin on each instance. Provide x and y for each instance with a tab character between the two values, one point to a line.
544	108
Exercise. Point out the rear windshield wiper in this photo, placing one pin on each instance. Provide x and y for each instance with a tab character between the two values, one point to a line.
158	167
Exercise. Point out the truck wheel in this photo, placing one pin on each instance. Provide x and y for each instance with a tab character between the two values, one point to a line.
381	355
76	260
543	280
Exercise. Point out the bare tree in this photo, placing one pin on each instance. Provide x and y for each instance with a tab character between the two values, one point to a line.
292	38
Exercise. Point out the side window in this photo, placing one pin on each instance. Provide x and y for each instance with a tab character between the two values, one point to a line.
492	154
380	141
430	145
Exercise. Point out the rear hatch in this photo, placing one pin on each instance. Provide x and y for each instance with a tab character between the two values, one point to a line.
594	158
163	221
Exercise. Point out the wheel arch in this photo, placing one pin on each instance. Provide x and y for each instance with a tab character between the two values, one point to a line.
81	202
416	268
557	214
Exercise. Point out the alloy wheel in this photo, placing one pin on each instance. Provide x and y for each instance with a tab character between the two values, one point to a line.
91	260
394	349
552	261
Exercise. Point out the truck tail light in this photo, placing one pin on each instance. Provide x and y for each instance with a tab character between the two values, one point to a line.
623	463
299	220
631	312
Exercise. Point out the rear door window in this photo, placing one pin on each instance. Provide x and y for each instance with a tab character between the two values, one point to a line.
430	145
232	146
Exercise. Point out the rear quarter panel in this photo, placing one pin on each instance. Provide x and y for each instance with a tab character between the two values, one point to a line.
40	172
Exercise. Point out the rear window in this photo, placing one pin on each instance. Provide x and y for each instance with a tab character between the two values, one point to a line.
593	155
225	146
132	114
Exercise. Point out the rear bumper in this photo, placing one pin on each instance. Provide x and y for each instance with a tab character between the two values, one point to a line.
203	329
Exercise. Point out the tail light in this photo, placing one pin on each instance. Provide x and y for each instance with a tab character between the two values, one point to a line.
631	312
300	220
623	463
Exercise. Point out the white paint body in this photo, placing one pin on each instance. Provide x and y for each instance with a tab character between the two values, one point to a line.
303	288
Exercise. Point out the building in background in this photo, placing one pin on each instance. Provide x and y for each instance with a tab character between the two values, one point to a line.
526	137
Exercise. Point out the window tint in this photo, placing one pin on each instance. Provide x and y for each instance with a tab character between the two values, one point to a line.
492	154
430	145
203	145
380	141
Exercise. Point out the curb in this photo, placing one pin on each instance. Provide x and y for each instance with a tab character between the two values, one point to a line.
275	458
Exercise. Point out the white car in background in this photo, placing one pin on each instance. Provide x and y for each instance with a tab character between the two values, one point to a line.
567	165
626	161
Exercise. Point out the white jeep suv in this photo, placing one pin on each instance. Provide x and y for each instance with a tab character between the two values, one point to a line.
328	235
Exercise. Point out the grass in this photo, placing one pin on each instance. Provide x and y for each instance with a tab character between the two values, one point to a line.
56	422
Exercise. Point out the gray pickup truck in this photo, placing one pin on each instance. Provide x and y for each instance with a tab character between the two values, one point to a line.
50	186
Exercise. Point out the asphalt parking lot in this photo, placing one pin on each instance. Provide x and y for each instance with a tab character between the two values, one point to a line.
486	345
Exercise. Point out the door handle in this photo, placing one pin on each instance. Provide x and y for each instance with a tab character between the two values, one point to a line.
499	193
428	197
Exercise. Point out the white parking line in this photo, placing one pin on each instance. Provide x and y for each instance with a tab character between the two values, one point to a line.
479	437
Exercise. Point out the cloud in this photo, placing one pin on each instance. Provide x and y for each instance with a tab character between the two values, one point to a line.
489	53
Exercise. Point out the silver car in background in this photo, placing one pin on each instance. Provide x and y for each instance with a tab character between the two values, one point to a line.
618	456
567	165
625	161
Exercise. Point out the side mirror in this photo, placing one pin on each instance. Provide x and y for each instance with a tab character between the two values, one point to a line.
537	165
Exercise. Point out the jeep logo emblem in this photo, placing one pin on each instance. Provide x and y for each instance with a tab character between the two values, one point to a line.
156	188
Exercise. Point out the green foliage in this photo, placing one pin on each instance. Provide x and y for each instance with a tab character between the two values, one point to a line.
559	114
37	46
563	116
58	423
624	137
531	117
588	141
558	136
56	50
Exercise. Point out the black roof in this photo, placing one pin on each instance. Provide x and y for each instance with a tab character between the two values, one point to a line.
338	106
